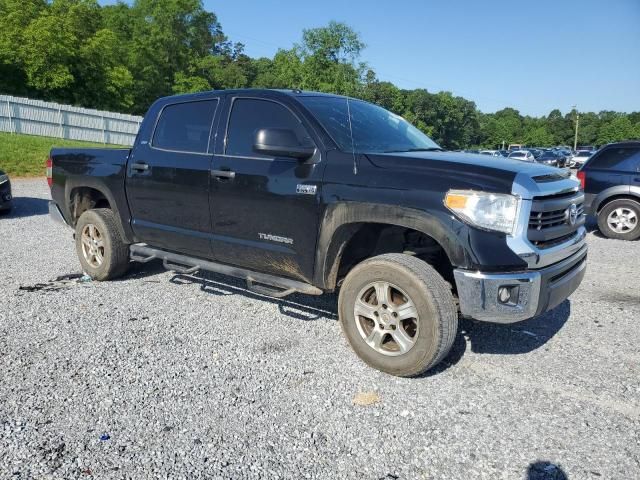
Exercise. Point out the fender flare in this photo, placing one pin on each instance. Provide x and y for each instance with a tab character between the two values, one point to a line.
94	183
341	221
605	195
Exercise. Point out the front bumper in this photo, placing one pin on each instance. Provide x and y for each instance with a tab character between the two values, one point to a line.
533	292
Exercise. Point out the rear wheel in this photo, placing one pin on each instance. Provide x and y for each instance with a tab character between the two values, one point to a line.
102	252
398	314
620	219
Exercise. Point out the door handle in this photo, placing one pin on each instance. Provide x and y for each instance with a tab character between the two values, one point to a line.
140	166
223	174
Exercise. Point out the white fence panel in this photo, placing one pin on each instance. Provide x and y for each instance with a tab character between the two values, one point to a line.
35	117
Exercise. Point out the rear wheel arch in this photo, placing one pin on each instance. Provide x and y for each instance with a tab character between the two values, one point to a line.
625	196
83	197
616	193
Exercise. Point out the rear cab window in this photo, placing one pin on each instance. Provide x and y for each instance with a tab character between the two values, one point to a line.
248	115
185	127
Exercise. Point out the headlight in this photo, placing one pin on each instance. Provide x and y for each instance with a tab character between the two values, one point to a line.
4	178
491	211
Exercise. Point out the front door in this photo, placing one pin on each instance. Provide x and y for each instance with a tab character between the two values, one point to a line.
264	210
168	180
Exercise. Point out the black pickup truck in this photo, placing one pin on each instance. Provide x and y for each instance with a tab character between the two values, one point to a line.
307	192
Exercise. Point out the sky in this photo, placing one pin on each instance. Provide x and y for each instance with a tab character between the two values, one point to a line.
533	55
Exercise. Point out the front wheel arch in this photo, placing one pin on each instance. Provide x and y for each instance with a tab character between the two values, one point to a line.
342	221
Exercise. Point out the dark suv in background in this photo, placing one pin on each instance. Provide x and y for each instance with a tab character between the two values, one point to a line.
5	193
611	182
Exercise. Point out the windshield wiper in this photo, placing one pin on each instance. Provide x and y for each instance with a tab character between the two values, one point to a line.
430	149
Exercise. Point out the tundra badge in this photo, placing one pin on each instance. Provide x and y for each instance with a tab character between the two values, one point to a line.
275	238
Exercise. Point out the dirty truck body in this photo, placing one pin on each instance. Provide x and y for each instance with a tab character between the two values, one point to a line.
307	192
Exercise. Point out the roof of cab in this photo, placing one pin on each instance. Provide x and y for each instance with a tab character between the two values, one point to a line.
288	92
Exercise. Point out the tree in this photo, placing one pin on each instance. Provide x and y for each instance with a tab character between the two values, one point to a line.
328	58
122	57
619	128
48	53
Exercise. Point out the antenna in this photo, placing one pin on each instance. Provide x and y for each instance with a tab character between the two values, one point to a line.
353	148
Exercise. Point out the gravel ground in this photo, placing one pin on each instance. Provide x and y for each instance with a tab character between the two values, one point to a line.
173	376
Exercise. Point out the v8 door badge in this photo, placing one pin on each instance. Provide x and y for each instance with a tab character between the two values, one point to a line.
306	189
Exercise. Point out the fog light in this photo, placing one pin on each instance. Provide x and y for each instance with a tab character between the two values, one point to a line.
509	295
504	294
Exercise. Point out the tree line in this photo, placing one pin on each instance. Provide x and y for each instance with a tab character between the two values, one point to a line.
122	57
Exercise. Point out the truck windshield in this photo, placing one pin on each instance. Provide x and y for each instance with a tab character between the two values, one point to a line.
375	130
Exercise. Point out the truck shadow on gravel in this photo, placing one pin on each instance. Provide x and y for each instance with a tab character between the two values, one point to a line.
298	306
481	337
513	339
27	207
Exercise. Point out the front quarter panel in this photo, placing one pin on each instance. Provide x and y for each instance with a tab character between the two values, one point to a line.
412	199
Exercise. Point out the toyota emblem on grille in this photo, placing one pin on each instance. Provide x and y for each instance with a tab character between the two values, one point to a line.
572	214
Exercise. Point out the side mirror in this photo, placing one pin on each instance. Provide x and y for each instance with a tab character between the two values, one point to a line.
281	142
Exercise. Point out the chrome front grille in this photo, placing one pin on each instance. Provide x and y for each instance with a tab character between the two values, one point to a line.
542	220
555	219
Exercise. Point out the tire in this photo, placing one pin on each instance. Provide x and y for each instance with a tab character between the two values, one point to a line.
103	255
429	334
623	212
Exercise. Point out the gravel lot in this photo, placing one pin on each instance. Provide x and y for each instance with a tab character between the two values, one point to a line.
173	376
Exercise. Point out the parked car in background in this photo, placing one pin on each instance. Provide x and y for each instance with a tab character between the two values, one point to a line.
515	146
534	151
493	153
611	182
580	158
523	155
6	200
586	148
549	158
504	153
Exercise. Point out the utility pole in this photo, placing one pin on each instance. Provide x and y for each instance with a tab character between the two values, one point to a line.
575	140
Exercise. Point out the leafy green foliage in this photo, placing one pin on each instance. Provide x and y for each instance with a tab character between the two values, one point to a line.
122	57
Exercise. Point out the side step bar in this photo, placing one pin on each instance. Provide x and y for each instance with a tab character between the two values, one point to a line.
262	283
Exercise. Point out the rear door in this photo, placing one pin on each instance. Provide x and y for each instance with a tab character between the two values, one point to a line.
168	179
265	209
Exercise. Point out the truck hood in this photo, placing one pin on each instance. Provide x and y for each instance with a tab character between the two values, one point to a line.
476	171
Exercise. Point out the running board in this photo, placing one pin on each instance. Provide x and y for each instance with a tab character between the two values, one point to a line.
262	283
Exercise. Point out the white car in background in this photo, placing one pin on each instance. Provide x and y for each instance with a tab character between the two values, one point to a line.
580	158
493	153
522	155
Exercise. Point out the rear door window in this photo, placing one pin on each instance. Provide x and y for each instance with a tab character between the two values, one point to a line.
185	127
617	158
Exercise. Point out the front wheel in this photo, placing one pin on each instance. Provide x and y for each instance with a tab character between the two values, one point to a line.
620	219
398	314
102	252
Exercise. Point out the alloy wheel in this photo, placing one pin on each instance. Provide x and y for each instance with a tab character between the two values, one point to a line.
387	318
622	220
92	245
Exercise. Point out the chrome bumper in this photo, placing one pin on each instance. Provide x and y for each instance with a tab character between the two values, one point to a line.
532	292
56	214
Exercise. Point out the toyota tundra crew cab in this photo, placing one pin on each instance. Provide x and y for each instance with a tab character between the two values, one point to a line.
307	192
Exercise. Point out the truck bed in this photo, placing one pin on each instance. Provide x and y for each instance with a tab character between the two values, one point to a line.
103	169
